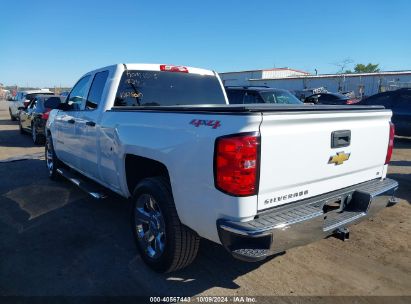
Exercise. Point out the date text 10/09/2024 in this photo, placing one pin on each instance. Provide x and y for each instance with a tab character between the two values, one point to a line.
204	299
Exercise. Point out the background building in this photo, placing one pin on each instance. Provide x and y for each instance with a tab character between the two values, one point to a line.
294	80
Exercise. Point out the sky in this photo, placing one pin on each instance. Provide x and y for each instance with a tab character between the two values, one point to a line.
48	43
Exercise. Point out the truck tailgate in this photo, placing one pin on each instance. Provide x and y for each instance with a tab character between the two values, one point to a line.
298	160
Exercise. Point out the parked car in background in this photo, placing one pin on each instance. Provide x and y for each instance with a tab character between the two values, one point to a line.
64	94
33	118
399	102
303	94
349	94
24	97
250	95
330	99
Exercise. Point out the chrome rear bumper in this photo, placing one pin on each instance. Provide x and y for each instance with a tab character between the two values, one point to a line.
303	222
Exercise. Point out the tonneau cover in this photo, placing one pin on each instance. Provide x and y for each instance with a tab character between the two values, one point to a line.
249	108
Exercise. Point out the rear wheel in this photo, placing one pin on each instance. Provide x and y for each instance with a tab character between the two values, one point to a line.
12	117
164	243
37	138
51	159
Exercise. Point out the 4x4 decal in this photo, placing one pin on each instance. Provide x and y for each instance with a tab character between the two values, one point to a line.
209	123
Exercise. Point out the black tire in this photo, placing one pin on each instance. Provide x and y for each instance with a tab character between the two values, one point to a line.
181	243
13	118
51	156
21	128
37	140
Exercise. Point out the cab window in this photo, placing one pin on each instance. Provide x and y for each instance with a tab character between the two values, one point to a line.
78	94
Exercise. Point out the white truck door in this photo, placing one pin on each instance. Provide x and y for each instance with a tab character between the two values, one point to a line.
68	140
87	126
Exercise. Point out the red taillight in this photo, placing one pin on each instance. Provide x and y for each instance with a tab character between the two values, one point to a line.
352	101
236	164
173	68
390	143
46	114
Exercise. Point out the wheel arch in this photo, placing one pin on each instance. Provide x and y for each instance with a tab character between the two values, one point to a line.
138	167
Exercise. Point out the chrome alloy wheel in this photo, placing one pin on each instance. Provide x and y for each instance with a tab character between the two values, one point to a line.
49	156
150	226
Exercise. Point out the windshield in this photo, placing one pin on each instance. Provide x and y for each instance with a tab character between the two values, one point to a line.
158	88
279	96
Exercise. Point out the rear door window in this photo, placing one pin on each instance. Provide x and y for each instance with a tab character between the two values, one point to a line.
96	90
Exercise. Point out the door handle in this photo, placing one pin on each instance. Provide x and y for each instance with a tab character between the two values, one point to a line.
90	123
71	121
340	138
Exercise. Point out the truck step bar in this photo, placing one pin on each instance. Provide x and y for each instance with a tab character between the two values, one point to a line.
87	186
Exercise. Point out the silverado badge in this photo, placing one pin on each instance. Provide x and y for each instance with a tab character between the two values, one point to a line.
339	158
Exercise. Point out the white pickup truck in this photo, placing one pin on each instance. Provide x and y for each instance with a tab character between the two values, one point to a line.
258	179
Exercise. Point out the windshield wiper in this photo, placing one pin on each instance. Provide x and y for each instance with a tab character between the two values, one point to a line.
138	94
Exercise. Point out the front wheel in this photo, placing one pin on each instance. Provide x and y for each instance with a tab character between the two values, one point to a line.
164	243
21	128
51	159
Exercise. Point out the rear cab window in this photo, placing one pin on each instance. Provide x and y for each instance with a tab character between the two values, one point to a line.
164	88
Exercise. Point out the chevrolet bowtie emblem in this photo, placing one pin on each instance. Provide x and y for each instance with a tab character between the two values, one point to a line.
339	158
